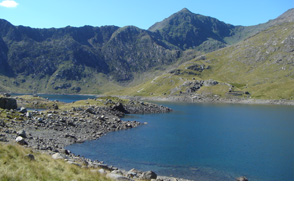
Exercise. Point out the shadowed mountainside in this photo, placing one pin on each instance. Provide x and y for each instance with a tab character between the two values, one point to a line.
95	59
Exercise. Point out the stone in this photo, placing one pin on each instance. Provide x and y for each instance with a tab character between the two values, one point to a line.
40	120
119	107
6	95
2	123
22	133
20	140
23	110
131	174
57	156
148	175
210	82
8	103
103	166
30	157
117	177
102	171
28	115
242	178
90	110
117	172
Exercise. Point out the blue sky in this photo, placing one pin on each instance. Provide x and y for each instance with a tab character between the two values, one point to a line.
143	14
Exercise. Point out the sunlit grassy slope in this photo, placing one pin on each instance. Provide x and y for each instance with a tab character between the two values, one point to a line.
15	166
263	65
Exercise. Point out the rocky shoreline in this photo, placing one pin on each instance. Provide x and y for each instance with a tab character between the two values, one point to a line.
50	131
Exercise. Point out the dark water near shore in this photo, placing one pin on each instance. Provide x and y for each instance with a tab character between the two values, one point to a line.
204	142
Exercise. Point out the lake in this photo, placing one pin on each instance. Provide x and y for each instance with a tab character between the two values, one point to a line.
204	142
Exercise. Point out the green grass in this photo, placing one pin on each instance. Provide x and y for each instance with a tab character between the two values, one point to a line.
14	166
101	101
261	65
29	101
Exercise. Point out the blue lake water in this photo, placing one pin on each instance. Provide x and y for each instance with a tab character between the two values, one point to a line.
204	142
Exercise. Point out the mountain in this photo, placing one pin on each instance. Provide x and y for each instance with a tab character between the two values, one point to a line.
188	30
65	59
261	66
96	59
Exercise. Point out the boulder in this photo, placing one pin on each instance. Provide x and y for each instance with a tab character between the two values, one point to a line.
20	140
117	177
23	110
133	173
22	133
102	171
148	175
103	166
117	172
8	103
90	110
6	95
57	156
28	115
242	178
30	157
119	107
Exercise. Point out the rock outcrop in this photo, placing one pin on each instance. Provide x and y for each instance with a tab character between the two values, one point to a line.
8	103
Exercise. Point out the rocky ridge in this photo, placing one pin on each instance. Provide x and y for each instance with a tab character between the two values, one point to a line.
74	60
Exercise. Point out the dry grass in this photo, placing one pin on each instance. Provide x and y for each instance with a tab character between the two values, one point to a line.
15	166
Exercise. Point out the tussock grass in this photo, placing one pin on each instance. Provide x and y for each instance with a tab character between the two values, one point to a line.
15	166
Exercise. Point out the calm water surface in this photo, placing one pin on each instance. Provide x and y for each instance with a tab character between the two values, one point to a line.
204	142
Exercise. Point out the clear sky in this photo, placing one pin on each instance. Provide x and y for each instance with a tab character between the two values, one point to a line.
143	14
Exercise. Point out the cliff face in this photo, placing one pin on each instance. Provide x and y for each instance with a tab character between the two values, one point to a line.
65	54
87	59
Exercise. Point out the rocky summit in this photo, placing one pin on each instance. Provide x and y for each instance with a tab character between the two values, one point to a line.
96	59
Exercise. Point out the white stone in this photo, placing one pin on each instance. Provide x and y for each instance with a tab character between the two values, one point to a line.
57	156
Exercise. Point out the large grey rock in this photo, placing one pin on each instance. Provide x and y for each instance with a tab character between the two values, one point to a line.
20	140
8	103
101	171
23	110
117	177
22	133
148	175
242	178
133	173
57	156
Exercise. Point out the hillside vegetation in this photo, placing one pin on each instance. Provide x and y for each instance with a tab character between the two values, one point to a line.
98	59
16	165
261	66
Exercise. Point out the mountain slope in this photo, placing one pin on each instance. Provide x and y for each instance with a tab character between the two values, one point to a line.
95	59
188	30
73	59
261	66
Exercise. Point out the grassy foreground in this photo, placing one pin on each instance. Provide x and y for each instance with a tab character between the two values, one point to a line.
16	166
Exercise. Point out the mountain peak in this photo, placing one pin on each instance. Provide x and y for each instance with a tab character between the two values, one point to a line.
288	16
185	10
